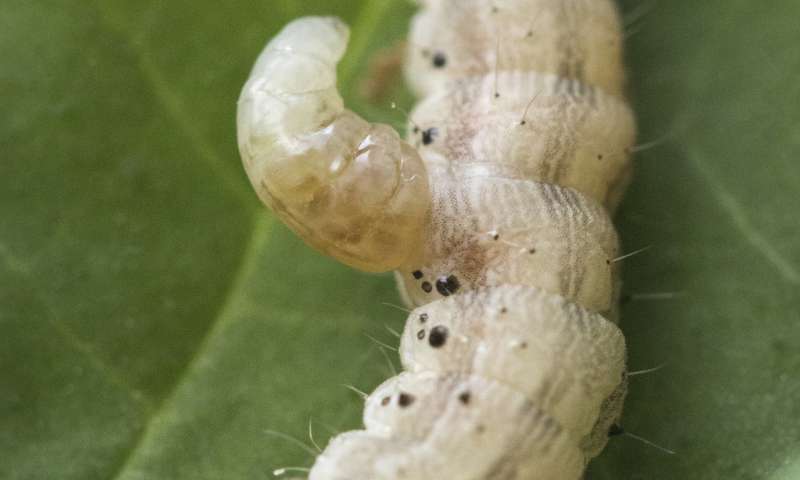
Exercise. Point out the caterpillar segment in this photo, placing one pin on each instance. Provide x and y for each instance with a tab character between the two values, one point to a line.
495	215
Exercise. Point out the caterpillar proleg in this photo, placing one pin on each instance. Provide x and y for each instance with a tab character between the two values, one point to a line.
494	214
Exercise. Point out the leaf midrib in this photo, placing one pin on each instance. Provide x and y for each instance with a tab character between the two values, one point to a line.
257	241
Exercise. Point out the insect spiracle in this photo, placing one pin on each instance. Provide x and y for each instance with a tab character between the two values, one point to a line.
495	215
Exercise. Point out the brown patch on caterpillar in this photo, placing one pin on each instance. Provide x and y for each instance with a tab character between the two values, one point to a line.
466	259
466	250
458	134
383	73
570	53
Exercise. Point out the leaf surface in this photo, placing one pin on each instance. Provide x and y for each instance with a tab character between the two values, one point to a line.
157	323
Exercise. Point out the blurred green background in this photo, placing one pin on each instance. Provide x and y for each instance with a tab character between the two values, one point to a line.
155	321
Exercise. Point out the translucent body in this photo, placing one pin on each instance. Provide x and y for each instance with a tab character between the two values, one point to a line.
496	222
310	160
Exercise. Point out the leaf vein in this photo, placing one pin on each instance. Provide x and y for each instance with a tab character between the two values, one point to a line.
172	105
740	220
255	245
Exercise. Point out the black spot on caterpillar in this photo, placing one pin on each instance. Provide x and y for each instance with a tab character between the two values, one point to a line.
506	209
439	60
438	336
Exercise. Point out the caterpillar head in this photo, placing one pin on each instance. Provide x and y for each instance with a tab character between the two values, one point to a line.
351	189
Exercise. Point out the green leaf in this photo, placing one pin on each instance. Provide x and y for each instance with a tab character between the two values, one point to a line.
157	323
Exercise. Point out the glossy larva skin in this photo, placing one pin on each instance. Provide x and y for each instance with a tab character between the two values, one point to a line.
495	216
310	160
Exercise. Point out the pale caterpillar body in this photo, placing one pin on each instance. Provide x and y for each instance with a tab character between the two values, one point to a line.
495	216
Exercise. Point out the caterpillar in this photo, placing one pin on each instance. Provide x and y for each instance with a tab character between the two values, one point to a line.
495	215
